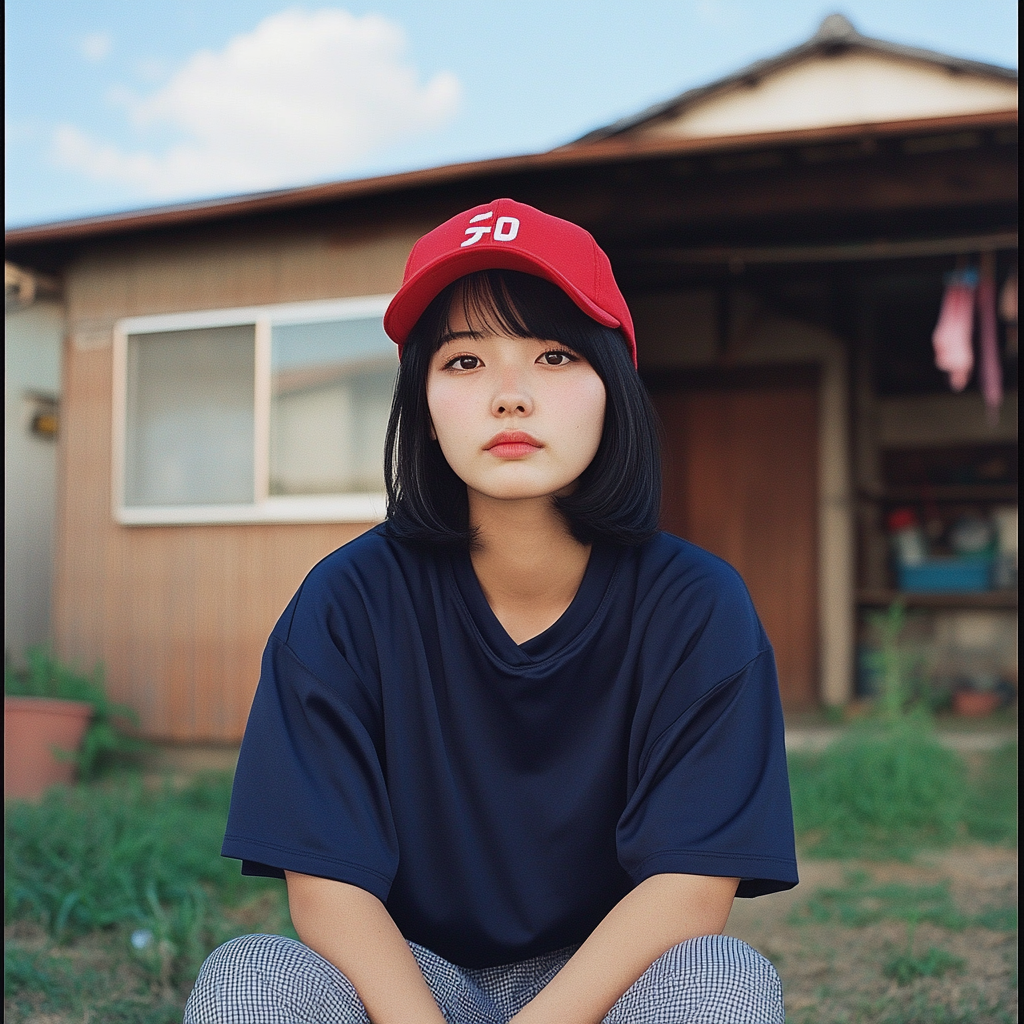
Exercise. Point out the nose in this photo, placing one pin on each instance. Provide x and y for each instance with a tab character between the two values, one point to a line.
512	397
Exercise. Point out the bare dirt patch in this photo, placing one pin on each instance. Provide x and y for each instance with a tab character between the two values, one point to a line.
834	972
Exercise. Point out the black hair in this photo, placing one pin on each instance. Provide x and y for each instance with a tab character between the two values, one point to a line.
618	495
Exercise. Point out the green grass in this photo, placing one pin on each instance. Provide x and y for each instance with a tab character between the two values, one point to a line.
55	980
972	1007
860	901
990	814
885	791
906	966
92	865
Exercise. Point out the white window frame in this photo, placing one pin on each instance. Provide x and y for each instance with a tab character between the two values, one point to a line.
265	508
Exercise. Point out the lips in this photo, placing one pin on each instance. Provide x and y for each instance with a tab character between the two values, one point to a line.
513	444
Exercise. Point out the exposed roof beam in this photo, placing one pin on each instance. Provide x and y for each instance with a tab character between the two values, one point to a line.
841	253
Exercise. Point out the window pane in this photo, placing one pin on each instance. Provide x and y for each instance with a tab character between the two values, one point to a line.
189	431
330	398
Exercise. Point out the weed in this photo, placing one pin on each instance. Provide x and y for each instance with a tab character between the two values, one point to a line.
90	859
897	667
906	966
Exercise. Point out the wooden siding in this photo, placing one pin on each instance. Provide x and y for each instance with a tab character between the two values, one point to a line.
179	615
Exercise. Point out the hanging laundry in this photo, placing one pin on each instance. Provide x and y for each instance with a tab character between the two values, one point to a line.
991	369
952	335
1008	310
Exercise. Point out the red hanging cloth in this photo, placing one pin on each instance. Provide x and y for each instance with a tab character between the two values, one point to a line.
952	335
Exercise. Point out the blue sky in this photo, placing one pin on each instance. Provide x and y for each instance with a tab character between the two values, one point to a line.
114	105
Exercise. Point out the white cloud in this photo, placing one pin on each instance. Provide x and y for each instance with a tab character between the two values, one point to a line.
302	97
151	69
716	13
96	46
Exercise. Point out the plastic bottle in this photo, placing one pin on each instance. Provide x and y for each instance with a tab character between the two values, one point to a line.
909	546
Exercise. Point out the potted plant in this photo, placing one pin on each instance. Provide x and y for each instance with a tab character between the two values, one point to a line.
977	696
58	723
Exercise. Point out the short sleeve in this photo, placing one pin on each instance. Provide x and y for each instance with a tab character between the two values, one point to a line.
709	794
309	792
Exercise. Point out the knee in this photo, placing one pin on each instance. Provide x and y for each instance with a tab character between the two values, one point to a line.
728	977
243	956
246	978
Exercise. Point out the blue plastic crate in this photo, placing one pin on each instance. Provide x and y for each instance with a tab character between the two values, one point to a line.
947	575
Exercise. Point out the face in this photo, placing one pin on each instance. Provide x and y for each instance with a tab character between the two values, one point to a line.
515	417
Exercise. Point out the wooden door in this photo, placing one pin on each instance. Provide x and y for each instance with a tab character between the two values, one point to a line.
740	464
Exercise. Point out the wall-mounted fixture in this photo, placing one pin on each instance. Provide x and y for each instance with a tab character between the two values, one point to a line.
42	415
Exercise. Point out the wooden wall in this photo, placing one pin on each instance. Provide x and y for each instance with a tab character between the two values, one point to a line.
179	615
741	481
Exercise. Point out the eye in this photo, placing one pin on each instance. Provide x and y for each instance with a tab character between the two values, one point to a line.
462	363
557	357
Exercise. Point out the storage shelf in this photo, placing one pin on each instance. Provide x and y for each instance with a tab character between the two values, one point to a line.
944	493
982	599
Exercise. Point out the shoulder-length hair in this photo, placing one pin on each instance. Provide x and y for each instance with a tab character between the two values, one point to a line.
617	497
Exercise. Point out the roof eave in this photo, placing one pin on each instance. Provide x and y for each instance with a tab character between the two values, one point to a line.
759	69
608	151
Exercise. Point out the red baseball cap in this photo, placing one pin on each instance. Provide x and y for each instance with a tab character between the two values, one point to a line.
506	235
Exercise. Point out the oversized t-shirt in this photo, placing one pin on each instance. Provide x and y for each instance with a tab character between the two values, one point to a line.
500	799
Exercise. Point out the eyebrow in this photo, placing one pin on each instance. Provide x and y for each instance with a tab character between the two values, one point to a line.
454	335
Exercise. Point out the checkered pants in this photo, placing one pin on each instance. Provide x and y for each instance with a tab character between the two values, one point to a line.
267	979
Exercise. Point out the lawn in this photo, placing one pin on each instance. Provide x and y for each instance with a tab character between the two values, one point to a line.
114	892
113	895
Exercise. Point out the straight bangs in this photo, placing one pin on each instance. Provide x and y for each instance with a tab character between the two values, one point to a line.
618	496
491	303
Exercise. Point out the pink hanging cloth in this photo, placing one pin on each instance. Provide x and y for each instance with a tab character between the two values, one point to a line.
952	335
991	369
1008	310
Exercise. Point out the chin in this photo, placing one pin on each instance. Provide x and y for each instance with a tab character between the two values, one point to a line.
522	490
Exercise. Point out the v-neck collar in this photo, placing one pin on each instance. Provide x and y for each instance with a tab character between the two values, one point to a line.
561	633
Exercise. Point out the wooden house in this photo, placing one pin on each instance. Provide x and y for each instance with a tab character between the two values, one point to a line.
781	236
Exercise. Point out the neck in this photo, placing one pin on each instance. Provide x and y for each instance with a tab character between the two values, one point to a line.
527	562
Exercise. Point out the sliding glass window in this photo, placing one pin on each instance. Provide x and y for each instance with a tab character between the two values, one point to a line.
270	413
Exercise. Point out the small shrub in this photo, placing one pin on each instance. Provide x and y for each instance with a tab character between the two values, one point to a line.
990	814
882	790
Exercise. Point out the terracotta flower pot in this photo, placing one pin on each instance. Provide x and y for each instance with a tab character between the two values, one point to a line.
975	703
34	727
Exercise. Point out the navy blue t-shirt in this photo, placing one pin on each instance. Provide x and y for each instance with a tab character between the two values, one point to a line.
500	799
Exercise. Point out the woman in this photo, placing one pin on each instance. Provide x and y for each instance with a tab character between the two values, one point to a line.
514	751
